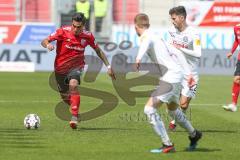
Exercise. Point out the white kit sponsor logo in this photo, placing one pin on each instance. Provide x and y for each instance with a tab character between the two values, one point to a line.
74	48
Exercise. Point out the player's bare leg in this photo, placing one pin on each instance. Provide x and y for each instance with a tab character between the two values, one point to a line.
184	103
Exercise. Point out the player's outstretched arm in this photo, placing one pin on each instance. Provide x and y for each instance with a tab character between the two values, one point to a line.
102	56
234	47
197	49
46	44
144	44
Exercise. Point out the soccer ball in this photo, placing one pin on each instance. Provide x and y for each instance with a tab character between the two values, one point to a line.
32	121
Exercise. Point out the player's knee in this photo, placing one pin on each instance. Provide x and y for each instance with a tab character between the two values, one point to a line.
151	113
73	87
149	110
184	104
237	80
73	84
184	108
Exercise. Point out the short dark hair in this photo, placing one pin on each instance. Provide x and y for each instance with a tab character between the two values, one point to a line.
179	10
142	20
79	17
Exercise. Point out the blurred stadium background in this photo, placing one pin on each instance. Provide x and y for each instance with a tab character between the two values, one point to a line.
124	132
24	23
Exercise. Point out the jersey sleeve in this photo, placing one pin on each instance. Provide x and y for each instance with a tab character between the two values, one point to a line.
57	35
235	43
92	42
197	49
144	44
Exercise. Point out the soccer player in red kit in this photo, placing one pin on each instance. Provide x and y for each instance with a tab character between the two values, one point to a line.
236	80
69	61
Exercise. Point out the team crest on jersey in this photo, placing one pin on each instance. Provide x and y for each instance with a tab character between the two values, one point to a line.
172	34
185	39
83	42
87	32
198	42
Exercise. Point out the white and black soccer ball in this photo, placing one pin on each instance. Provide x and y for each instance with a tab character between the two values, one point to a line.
32	121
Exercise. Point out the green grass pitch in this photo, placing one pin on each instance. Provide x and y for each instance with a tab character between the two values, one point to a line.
121	134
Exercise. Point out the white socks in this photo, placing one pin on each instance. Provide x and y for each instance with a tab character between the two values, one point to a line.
181	119
157	123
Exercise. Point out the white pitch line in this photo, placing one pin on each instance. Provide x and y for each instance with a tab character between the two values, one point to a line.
33	101
46	101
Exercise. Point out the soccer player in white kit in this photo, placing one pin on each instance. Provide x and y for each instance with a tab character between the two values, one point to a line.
177	67
187	41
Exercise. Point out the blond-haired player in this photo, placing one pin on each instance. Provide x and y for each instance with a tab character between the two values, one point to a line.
177	67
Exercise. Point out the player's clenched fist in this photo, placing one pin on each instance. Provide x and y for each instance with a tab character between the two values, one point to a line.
50	47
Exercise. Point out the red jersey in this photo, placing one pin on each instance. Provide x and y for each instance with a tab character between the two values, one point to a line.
237	39
70	48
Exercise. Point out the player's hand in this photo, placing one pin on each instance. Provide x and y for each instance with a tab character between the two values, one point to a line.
191	81
137	65
111	73
50	47
229	55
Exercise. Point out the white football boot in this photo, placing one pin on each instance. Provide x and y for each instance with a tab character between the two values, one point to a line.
230	107
73	123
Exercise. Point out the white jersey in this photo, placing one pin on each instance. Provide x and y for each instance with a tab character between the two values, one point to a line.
159	54
189	43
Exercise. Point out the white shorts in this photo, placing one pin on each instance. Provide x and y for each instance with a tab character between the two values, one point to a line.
187	91
172	95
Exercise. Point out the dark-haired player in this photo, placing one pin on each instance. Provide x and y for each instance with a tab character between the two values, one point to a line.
69	62
236	80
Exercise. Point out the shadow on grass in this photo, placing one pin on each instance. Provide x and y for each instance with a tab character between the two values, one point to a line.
211	131
105	129
202	150
23	146
21	138
219	131
11	130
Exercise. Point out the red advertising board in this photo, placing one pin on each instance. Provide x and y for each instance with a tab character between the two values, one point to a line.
222	14
212	13
8	33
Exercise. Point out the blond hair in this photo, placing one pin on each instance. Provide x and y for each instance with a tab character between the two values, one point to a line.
142	20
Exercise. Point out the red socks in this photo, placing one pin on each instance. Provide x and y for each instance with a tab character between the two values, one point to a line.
235	92
75	103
